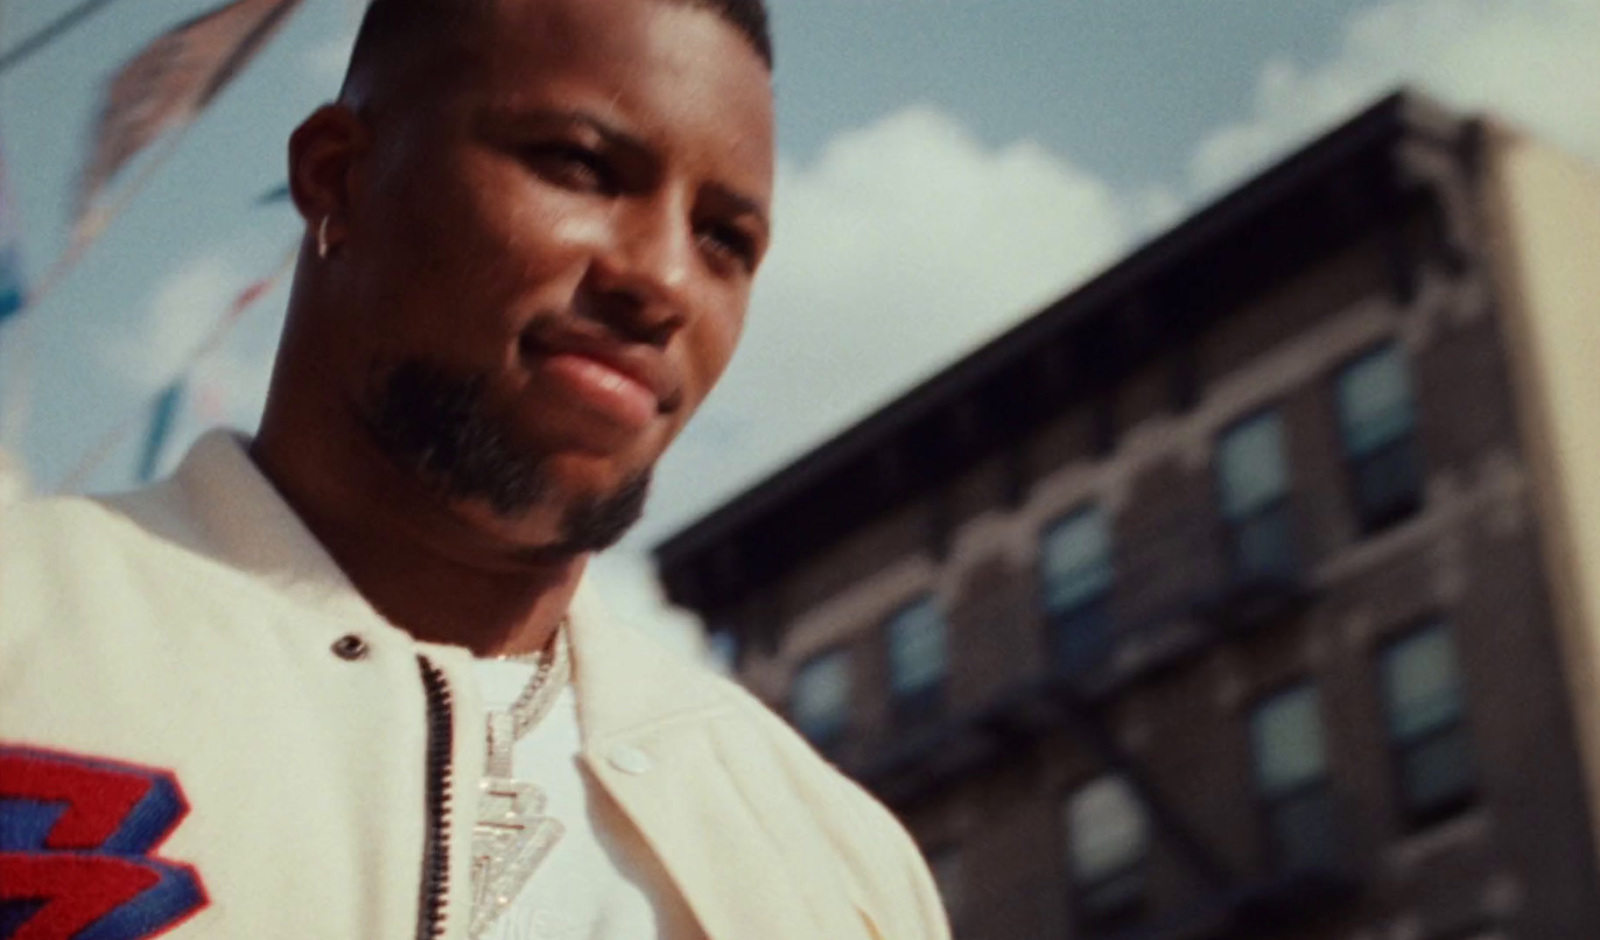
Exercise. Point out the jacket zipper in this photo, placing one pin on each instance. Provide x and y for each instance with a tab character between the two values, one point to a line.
436	851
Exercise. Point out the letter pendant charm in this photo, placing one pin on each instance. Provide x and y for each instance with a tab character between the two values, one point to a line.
512	835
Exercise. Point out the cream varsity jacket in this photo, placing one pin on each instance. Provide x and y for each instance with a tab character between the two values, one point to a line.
205	731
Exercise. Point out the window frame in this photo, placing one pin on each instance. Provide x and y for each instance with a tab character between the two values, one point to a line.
1138	866
952	897
918	705
1320	786
1416	818
1372	519
725	648
835	735
1093	611
1279	509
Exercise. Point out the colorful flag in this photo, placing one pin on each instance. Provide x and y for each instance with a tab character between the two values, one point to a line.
169	83
165	410
278	193
162	417
13	290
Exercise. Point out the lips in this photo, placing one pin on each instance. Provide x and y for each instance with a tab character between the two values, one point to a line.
625	384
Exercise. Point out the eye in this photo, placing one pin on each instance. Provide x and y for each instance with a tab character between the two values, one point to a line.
571	166
728	244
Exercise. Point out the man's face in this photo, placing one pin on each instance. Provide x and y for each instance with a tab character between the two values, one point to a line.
549	259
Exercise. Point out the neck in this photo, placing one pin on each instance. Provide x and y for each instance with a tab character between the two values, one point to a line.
422	567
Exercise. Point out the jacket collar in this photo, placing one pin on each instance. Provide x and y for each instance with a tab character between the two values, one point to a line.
219	504
625	682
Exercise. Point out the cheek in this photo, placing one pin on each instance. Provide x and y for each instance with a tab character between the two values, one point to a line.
473	256
712	343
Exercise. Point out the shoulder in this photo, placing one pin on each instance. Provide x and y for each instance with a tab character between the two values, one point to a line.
75	564
92	537
49	533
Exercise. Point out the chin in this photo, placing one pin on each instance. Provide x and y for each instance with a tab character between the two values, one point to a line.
565	521
438	428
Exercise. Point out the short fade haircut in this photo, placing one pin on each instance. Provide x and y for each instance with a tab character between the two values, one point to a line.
391	23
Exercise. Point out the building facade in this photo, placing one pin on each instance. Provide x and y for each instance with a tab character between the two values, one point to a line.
1243	592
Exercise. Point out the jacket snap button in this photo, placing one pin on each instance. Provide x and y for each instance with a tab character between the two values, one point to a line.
350	647
629	760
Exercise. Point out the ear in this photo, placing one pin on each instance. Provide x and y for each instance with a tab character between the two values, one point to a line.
325	154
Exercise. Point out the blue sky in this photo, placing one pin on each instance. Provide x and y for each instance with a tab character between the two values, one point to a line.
947	166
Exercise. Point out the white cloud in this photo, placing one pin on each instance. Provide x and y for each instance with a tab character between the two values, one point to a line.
1530	61
907	243
901	247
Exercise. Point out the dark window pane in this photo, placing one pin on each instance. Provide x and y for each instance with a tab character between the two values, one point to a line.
1425	702
1377	420
1075	560
1375	406
1388	483
1437	773
1422	684
723	649
1306	830
1113	894
821	697
918	653
1251	470
1286	739
1082	639
1263	544
917	707
949	874
1076	569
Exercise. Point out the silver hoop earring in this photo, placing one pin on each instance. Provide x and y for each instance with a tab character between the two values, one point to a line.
322	239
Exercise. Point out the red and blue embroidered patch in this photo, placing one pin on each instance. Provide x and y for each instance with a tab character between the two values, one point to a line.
76	837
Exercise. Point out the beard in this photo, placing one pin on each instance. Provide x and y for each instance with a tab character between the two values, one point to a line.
435	426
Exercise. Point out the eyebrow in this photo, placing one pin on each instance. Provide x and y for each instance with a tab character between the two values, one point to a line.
622	140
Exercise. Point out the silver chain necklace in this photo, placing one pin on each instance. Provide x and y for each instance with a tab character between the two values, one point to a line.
512	835
534	702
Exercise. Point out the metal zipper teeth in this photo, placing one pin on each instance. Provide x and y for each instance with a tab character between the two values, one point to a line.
441	754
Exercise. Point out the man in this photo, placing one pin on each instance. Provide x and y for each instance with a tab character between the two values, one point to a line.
262	699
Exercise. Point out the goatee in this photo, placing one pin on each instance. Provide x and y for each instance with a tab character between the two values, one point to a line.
435	426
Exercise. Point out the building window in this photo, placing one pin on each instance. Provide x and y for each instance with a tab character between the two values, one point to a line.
1108	842
1076	570
1291	772
949	874
918	660
1253	481
1377	421
1427	729
722	649
820	699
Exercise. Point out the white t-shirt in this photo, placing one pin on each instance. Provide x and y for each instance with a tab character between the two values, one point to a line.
600	881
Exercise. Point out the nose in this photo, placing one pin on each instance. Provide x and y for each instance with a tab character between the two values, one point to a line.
642	275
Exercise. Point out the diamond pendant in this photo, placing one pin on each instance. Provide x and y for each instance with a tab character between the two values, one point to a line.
512	836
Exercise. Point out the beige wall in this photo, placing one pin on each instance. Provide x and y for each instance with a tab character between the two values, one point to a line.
1546	208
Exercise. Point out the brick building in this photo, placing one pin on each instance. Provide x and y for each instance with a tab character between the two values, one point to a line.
1243	592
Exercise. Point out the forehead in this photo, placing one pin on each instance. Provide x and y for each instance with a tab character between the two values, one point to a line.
676	73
